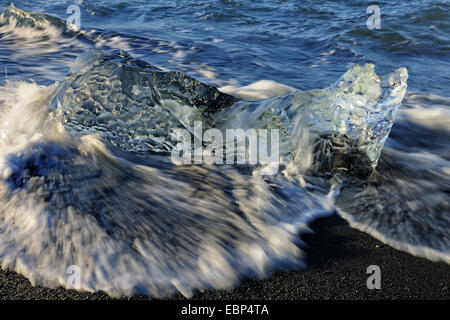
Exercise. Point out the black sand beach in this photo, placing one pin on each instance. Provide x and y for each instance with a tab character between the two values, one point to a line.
338	257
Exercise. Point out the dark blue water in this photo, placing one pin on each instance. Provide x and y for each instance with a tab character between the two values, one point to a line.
303	44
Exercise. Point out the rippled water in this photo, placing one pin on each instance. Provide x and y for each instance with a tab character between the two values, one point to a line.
85	173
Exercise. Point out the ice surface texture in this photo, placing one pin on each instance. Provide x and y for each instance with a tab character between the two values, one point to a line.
133	104
136	106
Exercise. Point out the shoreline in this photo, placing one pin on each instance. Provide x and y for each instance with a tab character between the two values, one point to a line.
337	257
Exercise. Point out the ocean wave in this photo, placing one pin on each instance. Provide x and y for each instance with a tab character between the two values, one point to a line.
45	45
135	223
80	187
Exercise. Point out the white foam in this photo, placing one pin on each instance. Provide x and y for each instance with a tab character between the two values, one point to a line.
258	90
416	250
199	240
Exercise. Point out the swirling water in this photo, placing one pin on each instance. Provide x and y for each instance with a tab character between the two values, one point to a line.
85	176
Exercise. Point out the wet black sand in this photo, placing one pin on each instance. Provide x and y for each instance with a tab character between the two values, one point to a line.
338	257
